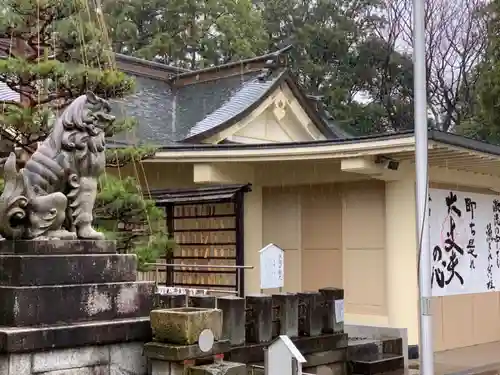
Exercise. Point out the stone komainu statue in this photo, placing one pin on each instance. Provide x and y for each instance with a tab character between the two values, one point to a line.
54	194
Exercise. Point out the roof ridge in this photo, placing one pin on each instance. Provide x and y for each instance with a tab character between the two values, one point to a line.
152	64
232	64
327	116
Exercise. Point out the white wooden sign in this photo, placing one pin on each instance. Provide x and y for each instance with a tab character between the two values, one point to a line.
272	267
339	310
176	290
465	242
282	357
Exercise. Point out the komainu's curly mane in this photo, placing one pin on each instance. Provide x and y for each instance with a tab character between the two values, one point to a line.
81	118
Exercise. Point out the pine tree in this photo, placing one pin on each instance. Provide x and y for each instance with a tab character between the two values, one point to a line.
485	124
186	33
134	222
54	51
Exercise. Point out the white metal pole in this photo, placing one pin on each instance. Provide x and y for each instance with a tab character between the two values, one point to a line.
422	183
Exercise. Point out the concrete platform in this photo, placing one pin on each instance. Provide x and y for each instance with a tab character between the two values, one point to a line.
483	359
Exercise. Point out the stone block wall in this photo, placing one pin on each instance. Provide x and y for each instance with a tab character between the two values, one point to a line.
117	359
249	326
66	306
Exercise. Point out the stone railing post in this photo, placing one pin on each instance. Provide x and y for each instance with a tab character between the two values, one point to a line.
310	313
233	319
259	312
286	314
330	323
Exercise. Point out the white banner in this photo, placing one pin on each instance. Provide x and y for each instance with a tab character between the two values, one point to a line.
465	242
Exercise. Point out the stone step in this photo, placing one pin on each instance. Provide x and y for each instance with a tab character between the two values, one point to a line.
29	339
51	247
179	353
364	348
56	304
226	368
392	345
395	372
38	270
254	353
376	363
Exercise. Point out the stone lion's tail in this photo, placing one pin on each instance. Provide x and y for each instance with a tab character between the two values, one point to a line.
13	201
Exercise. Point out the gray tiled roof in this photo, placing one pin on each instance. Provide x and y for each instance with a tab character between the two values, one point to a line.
151	105
166	115
335	128
317	103
251	92
7	94
194	103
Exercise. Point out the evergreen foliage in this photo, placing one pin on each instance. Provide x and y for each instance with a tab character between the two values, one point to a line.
134	222
55	51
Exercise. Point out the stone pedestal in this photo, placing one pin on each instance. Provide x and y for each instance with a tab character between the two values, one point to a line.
160	351
310	313
69	294
176	332
330	323
112	359
286	314
183	325
233	318
259	318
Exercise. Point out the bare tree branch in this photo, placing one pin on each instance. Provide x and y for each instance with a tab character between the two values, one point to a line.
455	44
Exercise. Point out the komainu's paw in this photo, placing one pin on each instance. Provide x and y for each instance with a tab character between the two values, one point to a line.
89	233
62	235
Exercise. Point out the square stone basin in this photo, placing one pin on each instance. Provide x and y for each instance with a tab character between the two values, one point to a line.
183	325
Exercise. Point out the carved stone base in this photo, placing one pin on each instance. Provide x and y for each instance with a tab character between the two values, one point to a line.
111	359
51	247
31	270
34	305
29	339
61	294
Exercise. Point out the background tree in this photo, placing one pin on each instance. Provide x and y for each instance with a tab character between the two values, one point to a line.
186	33
355	54
332	40
365	82
455	44
54	51
385	81
485	122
